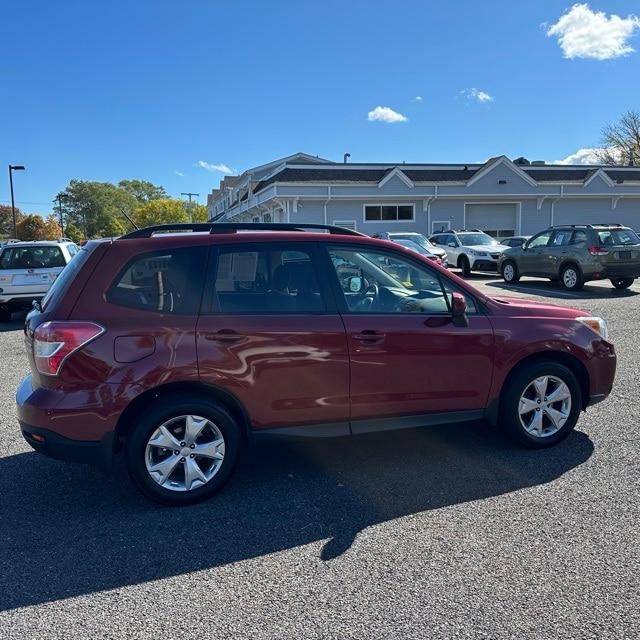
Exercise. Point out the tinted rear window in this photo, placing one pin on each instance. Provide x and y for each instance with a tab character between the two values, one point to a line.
169	281
32	257
61	283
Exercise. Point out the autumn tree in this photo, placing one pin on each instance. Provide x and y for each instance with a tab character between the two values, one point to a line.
620	143
160	212
31	227
6	220
51	229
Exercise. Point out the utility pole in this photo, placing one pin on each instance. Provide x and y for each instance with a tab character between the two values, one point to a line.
189	205
59	198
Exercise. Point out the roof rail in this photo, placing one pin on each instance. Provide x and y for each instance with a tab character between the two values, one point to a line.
588	226
233	227
571	226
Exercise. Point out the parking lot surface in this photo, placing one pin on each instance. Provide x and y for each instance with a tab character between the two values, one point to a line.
427	533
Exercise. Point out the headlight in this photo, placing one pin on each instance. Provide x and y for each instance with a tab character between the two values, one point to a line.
597	324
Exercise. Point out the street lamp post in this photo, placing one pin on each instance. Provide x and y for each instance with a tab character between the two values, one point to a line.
13	168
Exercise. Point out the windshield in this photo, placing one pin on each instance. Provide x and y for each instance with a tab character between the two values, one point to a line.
470	239
418	238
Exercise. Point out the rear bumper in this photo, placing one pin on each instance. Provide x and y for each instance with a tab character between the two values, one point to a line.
60	431
99	454
17	303
622	271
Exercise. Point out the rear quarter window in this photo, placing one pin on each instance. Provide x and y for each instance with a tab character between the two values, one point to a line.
168	281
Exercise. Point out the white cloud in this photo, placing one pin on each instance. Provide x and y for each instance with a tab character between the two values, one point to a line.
384	114
417	99
476	94
583	33
215	168
582	156
179	173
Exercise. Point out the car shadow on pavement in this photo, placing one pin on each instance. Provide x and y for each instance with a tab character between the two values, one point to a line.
556	290
67	530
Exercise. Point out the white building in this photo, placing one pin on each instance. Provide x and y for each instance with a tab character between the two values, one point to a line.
501	197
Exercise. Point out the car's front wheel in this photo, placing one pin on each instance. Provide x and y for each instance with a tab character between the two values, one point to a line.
542	404
510	272
571	278
622	283
183	450
465	267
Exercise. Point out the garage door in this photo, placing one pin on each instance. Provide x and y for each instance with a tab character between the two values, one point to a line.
497	220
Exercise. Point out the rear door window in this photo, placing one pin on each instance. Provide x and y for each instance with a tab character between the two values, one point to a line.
267	279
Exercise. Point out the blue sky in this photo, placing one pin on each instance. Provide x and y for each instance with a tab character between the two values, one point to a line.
184	92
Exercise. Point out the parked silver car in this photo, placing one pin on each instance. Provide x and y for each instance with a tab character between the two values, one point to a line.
27	270
469	250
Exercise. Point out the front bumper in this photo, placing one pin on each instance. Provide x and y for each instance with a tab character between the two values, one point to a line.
482	264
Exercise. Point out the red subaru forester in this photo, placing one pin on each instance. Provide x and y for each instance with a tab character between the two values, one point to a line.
175	344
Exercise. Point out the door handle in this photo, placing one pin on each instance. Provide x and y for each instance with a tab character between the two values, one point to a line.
226	337
368	336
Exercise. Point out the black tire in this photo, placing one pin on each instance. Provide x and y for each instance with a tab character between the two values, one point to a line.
622	283
465	267
571	278
510	272
541	405
5	316
193	466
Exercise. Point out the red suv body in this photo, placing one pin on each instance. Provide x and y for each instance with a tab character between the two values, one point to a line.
177	347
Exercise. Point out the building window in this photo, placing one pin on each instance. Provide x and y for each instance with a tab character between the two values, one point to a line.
388	212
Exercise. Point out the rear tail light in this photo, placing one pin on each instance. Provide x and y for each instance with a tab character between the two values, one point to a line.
597	250
54	342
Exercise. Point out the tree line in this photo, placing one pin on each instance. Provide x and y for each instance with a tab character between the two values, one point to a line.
86	210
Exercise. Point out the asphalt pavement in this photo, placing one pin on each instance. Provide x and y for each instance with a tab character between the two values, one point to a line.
427	533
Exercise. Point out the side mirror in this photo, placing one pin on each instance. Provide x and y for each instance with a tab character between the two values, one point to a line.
459	310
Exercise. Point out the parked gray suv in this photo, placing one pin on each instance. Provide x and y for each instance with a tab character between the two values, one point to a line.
574	254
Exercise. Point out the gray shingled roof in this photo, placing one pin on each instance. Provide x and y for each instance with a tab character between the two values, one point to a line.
376	174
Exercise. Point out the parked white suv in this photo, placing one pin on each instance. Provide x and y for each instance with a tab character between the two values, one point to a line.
472	250
27	270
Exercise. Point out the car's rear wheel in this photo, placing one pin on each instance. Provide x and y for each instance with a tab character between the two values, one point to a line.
510	272
465	267
183	450
571	277
622	283
541	404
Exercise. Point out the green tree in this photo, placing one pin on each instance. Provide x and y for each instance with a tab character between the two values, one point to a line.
96	208
200	213
73	233
620	142
160	212
142	190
